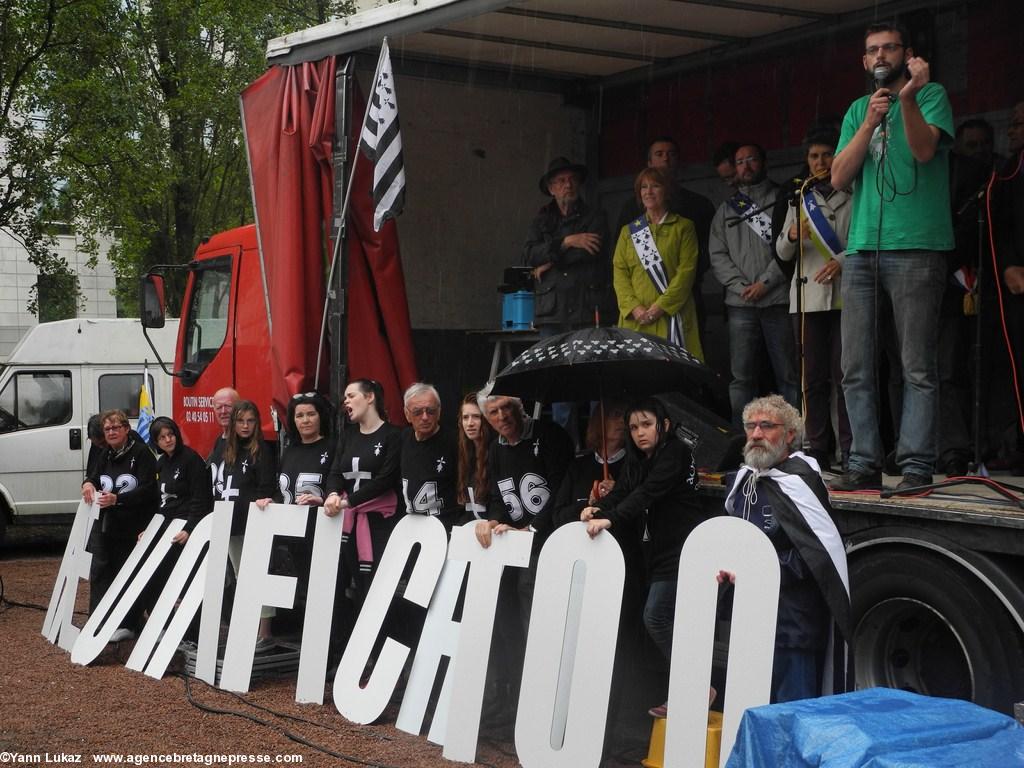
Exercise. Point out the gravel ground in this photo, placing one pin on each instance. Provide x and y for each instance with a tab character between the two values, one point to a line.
49	705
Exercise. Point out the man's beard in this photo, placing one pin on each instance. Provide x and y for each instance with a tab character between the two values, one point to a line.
757	179
764	454
566	201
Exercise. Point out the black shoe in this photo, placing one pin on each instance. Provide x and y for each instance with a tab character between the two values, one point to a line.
855	480
913	480
956	468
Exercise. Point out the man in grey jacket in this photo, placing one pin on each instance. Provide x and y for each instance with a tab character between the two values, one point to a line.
756	289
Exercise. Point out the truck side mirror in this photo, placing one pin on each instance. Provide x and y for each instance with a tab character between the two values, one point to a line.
151	301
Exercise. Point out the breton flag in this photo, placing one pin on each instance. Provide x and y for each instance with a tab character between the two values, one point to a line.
146	414
382	143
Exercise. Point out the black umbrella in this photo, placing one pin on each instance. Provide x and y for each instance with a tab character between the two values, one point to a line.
597	363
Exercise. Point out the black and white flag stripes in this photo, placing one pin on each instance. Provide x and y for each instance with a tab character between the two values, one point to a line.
381	141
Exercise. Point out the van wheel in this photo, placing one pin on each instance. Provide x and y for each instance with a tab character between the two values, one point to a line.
3	522
924	624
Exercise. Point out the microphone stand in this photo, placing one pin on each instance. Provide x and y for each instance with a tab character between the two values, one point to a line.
976	473
793	194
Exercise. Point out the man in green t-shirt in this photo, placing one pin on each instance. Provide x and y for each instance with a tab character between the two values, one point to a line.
893	151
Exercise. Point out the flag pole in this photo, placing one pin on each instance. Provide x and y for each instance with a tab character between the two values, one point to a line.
344	213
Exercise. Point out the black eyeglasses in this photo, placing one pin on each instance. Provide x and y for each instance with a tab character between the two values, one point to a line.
872	50
764	426
430	410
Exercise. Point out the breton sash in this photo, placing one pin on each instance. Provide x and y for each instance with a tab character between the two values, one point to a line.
760	222
822	234
650	259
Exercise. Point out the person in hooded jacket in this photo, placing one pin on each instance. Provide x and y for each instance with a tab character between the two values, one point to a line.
185	493
123	485
185	490
657	488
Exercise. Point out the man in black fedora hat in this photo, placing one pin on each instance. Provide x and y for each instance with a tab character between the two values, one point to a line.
566	249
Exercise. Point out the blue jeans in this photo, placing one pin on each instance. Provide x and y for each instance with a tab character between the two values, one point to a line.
752	332
914	281
660	615
794	675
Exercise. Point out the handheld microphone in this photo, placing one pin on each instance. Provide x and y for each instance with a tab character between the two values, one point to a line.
880	73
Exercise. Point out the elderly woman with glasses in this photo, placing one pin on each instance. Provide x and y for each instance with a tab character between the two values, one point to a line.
123	485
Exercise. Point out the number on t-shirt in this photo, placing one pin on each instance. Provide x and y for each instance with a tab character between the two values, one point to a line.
425	502
306	482
120	484
532	496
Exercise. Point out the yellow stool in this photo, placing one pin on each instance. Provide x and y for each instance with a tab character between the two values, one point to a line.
656	750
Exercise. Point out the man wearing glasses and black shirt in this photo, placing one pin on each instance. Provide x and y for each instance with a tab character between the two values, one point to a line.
893	151
430	459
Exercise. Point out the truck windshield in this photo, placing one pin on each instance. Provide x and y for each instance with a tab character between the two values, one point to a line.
207	313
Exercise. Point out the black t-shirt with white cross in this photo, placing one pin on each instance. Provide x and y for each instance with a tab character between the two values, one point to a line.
366	466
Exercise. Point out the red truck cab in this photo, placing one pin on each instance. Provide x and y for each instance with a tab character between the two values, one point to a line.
224	338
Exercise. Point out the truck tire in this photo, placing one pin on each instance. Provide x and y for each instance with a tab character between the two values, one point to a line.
924	624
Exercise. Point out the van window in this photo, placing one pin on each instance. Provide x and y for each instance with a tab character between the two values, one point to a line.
33	399
207	321
121	390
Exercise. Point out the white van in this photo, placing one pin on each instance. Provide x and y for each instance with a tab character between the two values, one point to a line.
55	379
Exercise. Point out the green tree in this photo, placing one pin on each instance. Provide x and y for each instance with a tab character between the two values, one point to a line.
31	33
153	151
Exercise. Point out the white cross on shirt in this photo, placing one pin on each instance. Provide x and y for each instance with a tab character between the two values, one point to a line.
356	475
229	493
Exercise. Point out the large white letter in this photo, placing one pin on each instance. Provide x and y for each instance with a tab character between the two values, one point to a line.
573	626
316	624
729	544
57	626
104	621
470	662
364	705
213	596
440	637
165	604
257	588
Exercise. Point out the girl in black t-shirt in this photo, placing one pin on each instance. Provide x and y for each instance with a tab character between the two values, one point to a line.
365	481
249	475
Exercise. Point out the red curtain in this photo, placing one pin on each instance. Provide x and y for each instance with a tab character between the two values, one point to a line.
289	122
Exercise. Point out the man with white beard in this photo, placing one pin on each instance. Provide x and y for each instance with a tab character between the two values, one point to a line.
779	489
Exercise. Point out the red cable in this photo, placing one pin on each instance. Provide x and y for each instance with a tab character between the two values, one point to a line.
999	283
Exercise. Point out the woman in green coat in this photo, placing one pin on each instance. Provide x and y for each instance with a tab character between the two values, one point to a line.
655	266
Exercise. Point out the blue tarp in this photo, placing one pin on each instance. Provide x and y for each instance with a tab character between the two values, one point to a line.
877	728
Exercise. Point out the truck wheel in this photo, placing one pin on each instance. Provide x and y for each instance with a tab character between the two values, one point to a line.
924	624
